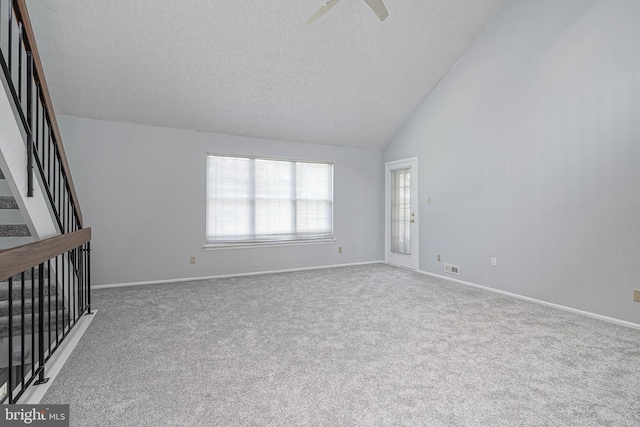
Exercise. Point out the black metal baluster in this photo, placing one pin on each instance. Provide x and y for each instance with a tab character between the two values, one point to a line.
75	291
72	285
41	378
41	121
64	220
15	28
49	305
1	55
69	278
61	212
48	154
86	277
10	338
56	180
22	49
19	88
10	39
45	141
0	25
36	125
36	119
57	307
30	121
80	281
89	278
61	193
64	298
33	320
22	327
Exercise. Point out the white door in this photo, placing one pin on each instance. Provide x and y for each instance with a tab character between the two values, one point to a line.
401	213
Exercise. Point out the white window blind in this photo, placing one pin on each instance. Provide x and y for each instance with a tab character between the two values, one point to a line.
261	200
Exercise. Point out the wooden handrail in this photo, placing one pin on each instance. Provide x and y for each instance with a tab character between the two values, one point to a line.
16	260
30	41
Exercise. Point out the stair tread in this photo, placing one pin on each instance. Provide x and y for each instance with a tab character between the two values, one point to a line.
17	317
8	202
30	305
14	230
16	291
17	321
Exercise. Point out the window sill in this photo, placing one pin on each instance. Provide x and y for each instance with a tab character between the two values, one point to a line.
219	246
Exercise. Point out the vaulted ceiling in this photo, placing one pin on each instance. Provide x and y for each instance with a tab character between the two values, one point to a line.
252	68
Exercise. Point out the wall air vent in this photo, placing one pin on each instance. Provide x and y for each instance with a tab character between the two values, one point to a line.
453	269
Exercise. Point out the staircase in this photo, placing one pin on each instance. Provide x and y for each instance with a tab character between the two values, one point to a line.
25	321
13	230
24	311
45	283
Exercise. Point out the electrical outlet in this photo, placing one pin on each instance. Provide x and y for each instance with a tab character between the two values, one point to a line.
339	249
636	295
439	257
494	262
192	260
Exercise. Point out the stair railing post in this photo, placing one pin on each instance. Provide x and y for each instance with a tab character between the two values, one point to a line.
41	378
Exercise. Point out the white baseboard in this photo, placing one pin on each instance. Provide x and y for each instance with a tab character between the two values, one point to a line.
223	276
537	301
34	393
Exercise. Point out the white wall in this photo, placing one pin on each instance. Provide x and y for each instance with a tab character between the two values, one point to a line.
530	150
142	190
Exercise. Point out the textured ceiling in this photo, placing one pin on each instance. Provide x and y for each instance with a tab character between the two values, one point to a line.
247	67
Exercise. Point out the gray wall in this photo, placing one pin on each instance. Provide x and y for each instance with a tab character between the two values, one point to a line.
530	150
142	190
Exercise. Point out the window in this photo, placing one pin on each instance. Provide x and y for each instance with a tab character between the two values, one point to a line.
252	200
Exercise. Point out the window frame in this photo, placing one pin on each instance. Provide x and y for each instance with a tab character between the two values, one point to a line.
209	245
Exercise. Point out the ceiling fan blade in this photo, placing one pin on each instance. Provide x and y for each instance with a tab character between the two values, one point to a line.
378	8
323	10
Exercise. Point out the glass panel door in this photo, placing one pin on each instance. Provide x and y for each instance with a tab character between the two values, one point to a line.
401	211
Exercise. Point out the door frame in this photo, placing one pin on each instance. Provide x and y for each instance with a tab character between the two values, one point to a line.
415	227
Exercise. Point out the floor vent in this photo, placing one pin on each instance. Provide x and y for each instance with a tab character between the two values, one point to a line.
453	269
